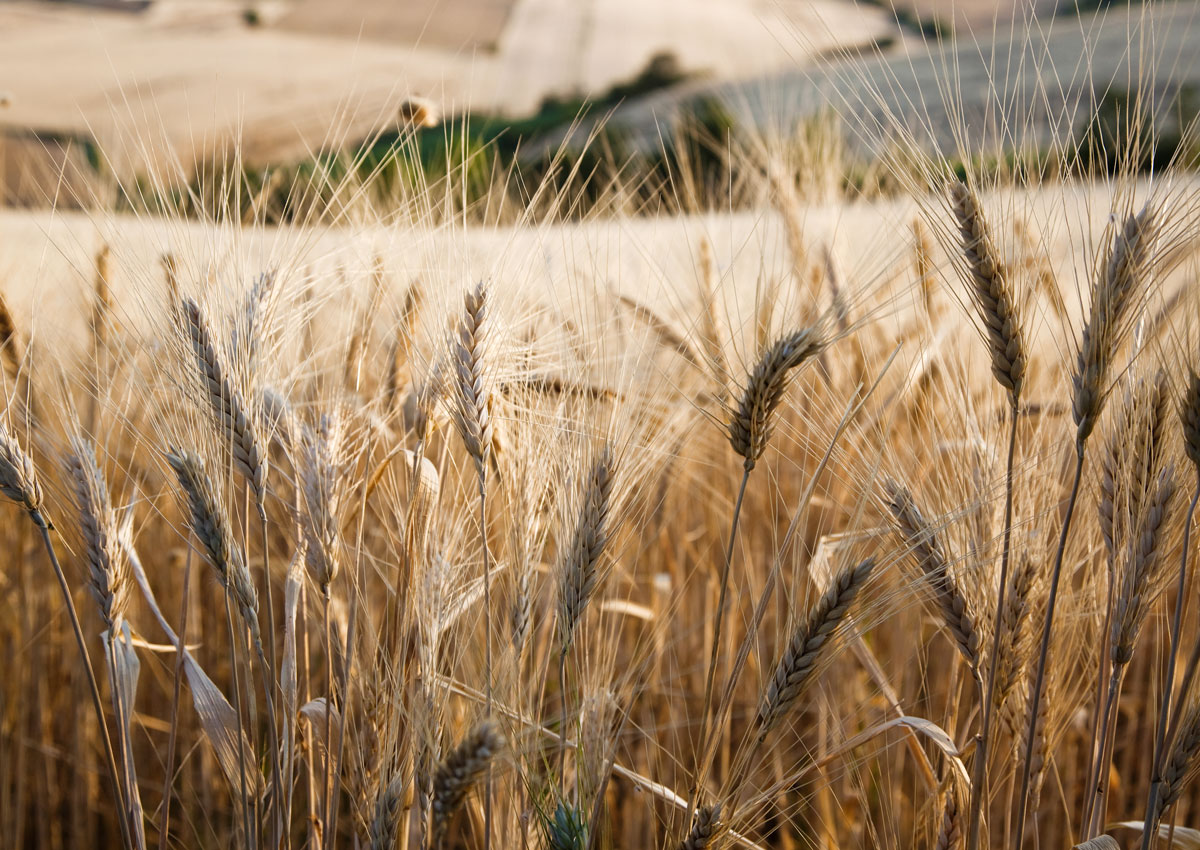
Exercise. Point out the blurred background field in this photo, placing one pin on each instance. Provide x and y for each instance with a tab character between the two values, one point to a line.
102	92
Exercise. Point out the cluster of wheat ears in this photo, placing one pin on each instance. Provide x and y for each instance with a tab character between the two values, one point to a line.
489	571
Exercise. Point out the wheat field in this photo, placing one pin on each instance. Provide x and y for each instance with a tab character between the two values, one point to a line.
831	521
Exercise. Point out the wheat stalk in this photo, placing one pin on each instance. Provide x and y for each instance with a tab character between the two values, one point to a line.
19	482
1114	292
997	306
1172	702
473	421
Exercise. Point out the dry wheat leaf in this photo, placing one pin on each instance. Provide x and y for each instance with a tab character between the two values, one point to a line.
1183	839
1100	842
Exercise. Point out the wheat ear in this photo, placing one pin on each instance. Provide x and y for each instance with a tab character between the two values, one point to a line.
18	478
10	342
322	484
955	608
473	393
209	522
706	829
749	429
923	267
108	567
712	331
809	642
1145	550
473	420
1180	767
582	556
385	826
459	773
228	407
1010	641
580	571
991	290
19	482
950	833
1113	296
753	420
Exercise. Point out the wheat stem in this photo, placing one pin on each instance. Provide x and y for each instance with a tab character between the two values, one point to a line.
710	676
237	706
326	774
1148	832
487	653
1044	650
164	831
110	758
979	795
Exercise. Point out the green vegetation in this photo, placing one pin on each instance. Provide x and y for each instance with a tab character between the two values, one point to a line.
565	162
1079	7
